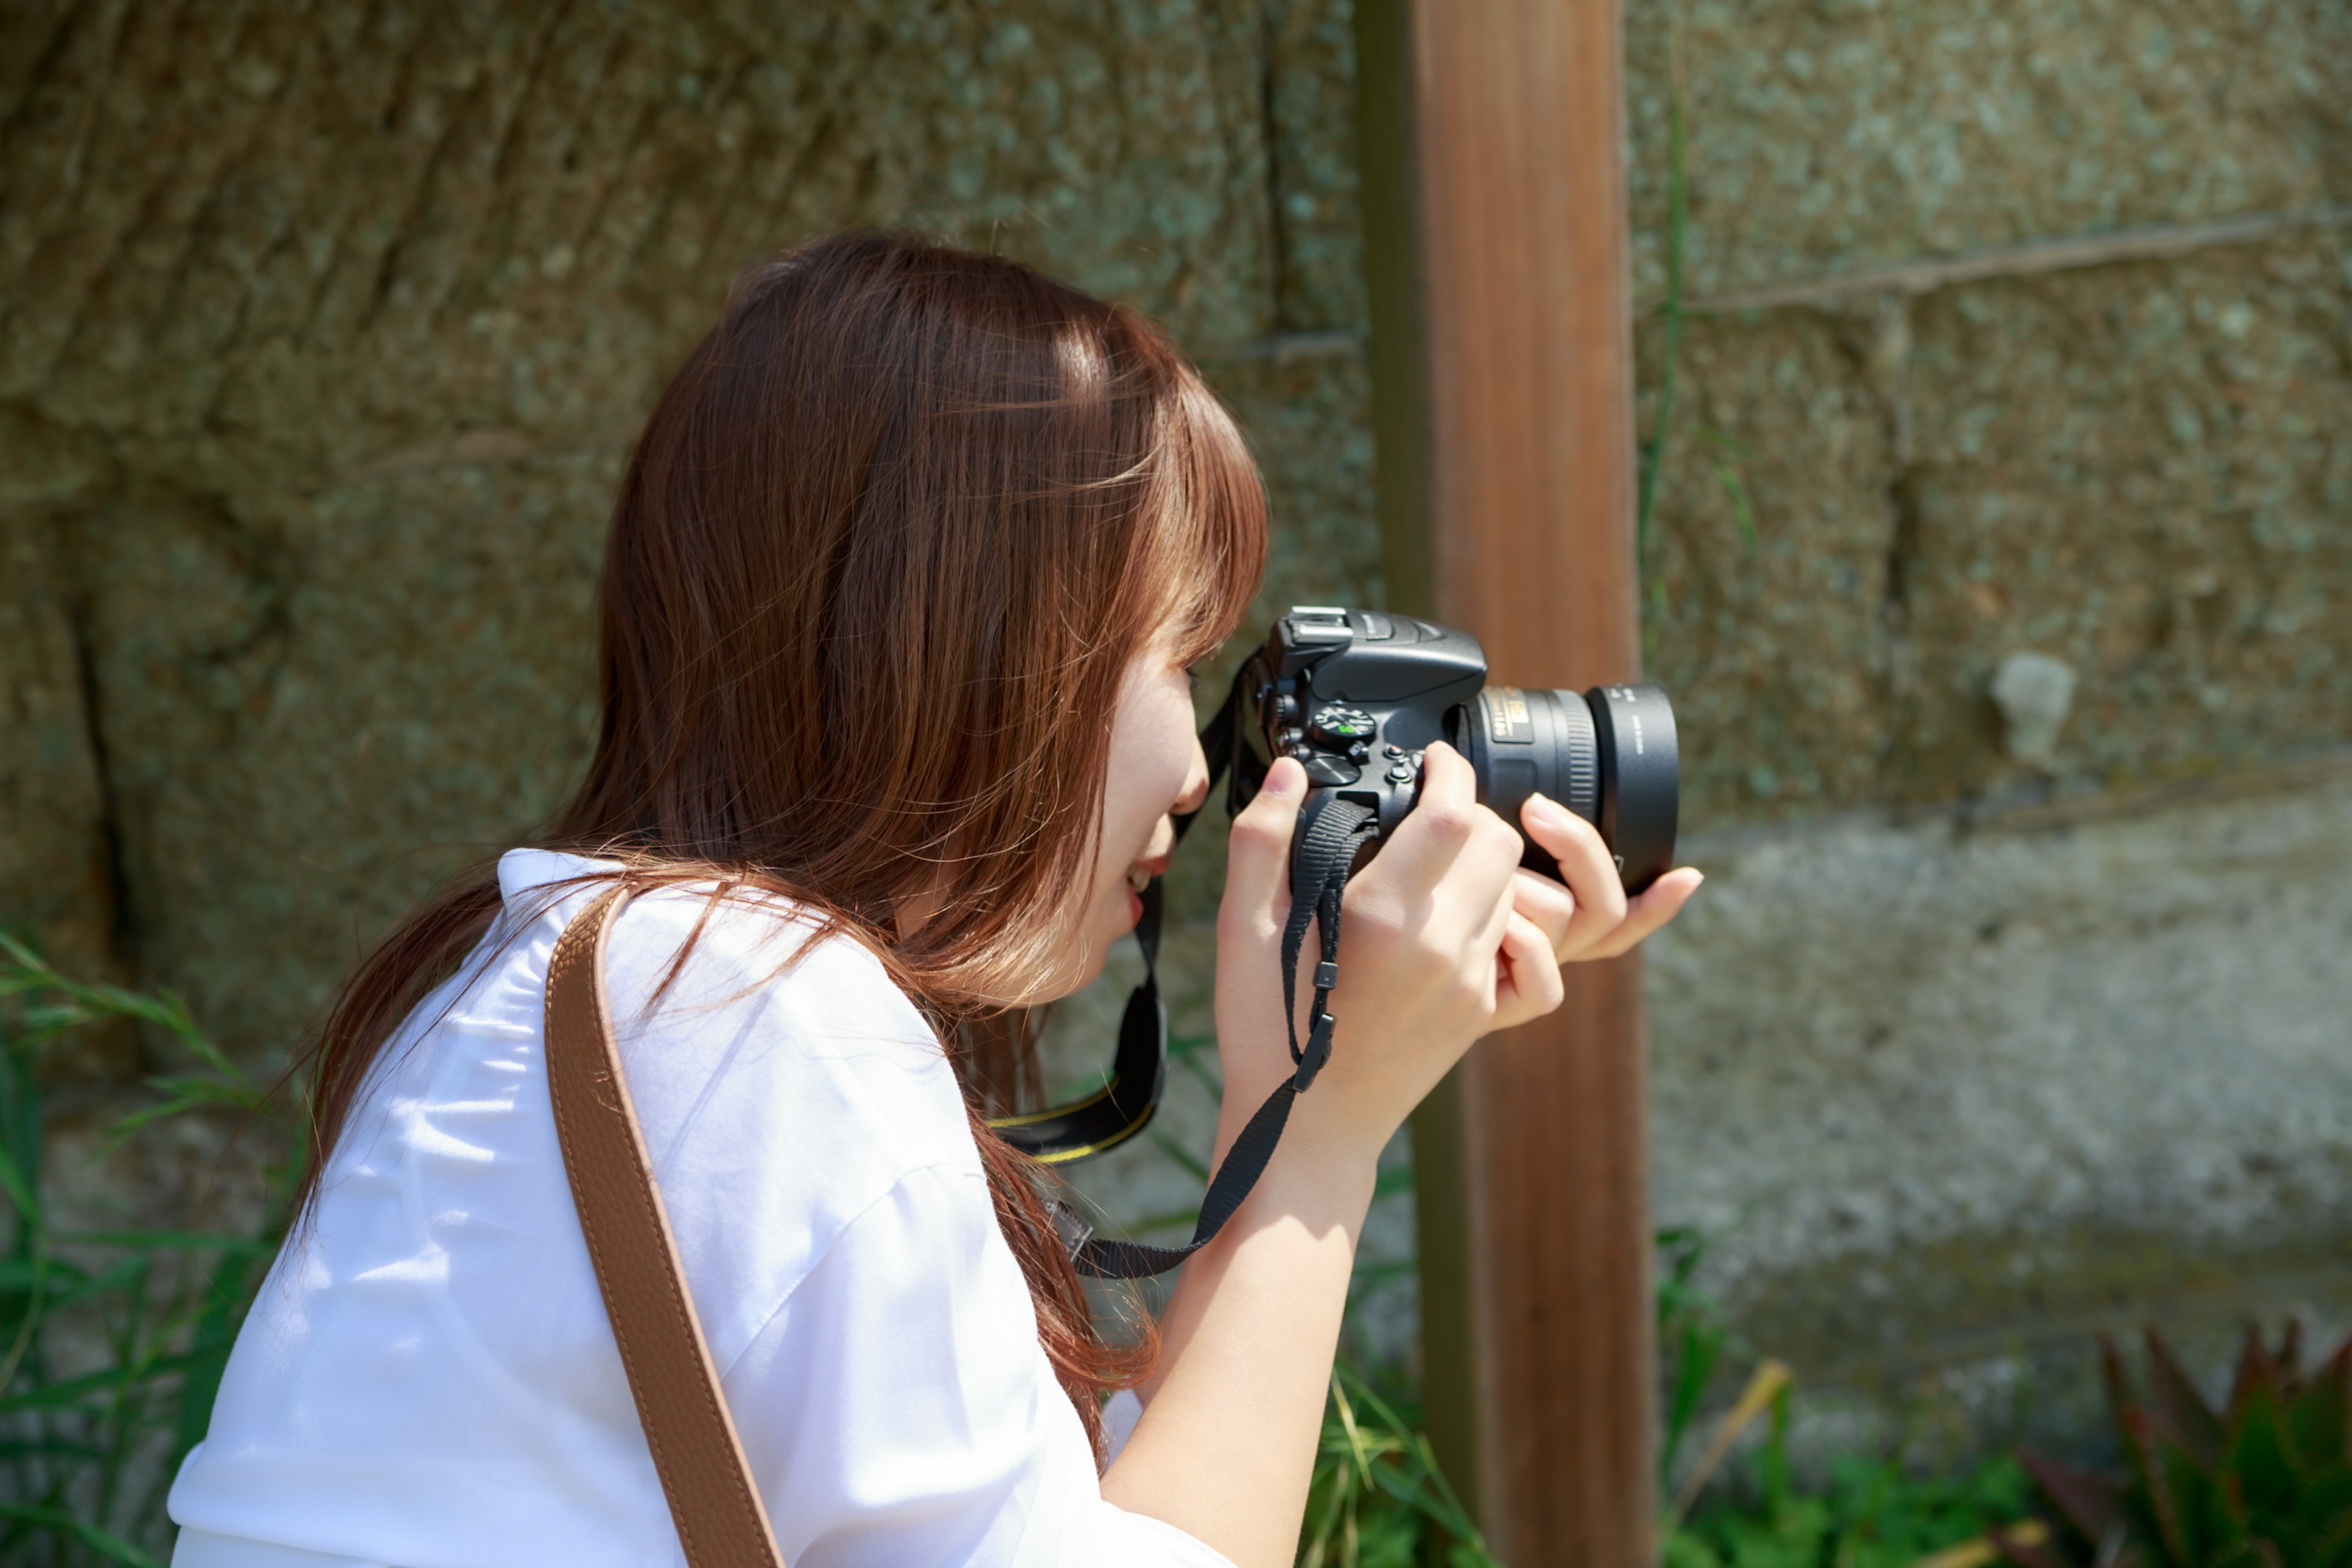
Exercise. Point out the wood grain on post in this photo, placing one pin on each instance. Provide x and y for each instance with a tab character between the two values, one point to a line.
1507	300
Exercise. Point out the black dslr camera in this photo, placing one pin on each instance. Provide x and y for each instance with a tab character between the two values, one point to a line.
1356	695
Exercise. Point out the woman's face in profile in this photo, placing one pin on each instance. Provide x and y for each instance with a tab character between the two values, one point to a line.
1157	771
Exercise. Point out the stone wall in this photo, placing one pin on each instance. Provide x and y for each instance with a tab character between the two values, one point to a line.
324	328
1981	1040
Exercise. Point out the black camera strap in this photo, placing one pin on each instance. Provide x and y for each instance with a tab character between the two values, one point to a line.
1321	861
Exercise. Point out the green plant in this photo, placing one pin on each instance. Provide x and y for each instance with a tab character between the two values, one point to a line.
1378	1497
111	1340
1871	1513
1692	1337
2265	1481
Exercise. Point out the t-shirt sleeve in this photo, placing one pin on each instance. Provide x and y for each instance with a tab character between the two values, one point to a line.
898	1410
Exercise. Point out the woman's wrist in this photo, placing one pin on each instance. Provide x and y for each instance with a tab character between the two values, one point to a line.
1321	1122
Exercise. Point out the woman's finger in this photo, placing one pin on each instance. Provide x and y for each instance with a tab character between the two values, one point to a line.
1489	872
1585	865
1547	905
1653	908
1257	868
1437	830
1528	984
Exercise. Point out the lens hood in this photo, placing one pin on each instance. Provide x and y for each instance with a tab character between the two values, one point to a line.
1641	779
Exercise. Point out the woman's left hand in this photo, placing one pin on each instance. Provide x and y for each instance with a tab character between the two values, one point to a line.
1585	916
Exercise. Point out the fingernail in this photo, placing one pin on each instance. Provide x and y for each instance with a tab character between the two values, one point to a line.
1547	811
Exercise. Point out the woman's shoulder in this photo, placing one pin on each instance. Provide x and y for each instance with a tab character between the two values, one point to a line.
714	945
736	1010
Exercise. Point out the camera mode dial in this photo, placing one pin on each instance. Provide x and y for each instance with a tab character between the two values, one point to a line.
1341	727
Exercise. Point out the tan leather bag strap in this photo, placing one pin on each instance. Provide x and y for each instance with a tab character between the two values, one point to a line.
721	1522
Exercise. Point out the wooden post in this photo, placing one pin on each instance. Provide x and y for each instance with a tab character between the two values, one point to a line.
1495	199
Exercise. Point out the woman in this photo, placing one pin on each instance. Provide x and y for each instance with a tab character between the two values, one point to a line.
903	586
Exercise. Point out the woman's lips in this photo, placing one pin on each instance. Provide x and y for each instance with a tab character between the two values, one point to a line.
1138	878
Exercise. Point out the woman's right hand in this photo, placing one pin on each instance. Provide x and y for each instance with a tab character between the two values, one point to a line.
1433	954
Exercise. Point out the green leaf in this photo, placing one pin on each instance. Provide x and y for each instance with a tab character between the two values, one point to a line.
18	1180
1726	474
2260	1461
24	1276
73	1390
48	1447
168	1241
2318	1528
2320	1414
2210	1517
112	1547
114	1280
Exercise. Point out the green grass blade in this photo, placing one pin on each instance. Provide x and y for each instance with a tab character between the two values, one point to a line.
1727	474
74	1390
168	1241
112	1547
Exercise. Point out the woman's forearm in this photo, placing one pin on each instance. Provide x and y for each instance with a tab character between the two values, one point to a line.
1227	1446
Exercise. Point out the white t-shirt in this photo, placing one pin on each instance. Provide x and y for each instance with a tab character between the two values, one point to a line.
427	1378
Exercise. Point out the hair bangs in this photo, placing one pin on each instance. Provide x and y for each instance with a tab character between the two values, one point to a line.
1212	528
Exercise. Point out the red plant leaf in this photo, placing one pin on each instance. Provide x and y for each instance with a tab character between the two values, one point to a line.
2140	1442
2121	1396
2180	1411
2256	1370
2092	1505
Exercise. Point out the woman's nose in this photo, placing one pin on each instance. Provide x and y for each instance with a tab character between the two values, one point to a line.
1196	785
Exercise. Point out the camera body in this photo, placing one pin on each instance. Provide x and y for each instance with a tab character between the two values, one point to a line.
1357	696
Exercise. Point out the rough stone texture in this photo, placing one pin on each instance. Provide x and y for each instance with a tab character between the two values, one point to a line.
322	330
1771	632
2140	470
1948	1094
2143	471
1949	1091
372	683
55	872
326	231
1832	135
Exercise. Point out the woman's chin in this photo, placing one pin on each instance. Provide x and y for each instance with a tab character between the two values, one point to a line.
1110	924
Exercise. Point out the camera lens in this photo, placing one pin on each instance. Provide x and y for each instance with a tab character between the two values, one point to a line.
1609	755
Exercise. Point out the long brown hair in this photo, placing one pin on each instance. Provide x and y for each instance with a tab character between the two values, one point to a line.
882	555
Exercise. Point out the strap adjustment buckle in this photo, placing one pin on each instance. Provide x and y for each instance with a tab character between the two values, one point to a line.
1317	1051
